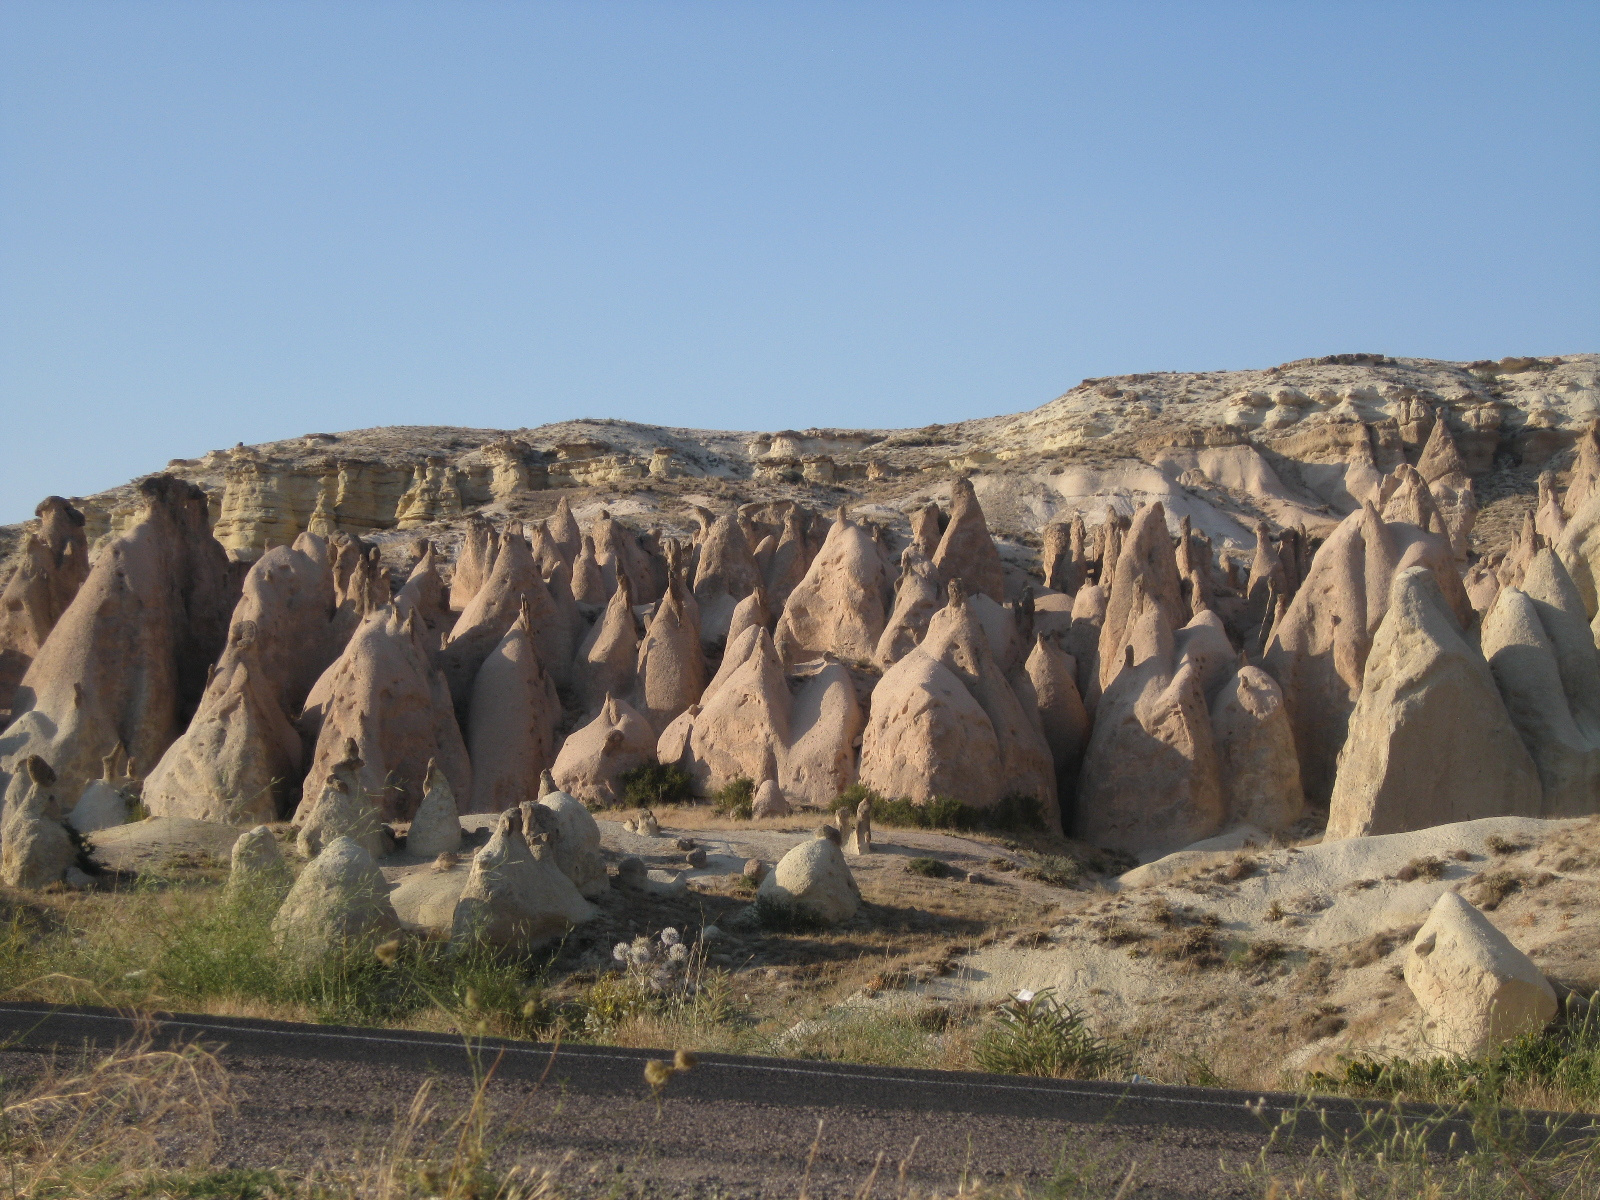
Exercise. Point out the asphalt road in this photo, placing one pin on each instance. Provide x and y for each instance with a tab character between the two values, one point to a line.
736	1126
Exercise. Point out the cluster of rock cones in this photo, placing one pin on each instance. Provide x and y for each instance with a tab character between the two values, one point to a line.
1138	694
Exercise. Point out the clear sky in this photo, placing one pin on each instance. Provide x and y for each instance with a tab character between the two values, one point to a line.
238	221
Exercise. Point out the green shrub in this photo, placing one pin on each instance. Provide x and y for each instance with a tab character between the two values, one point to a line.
1035	1034
780	916
943	812
1055	869
656	783
736	799
930	867
1563	1058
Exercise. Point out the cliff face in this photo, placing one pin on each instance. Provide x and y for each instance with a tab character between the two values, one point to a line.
1300	444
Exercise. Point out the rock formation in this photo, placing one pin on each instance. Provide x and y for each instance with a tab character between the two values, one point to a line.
1537	642
608	658
512	720
944	721
576	844
338	905
35	847
726	573
1255	752
50	567
917	597
1477	991
595	756
838	609
814	879
436	825
752	726
1430	739
966	551
671	669
515	897
127	662
383	695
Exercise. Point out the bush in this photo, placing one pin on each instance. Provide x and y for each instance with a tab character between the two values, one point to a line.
930	867
780	916
1035	1034
943	812
656	783
736	799
1562	1060
1055	869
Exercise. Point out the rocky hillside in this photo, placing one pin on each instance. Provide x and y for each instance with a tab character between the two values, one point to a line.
1293	445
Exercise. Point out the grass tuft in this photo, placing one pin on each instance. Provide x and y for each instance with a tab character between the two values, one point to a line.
1036	1034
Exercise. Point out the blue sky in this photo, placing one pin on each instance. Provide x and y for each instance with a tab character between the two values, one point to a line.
239	221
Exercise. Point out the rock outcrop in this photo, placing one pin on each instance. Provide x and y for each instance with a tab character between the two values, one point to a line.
511	723
595	756
127	662
384	695
671	669
839	608
339	904
515	897
1430	739
1476	989
966	551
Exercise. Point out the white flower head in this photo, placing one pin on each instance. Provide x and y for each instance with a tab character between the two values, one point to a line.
620	952
670	936
678	953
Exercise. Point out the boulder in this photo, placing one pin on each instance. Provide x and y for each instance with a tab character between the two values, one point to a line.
840	606
769	801
436	826
511	722
338	904
1430	739
515	897
35	847
102	806
966	551
1477	991
1255	752
577	841
814	879
257	862
860	840
594	757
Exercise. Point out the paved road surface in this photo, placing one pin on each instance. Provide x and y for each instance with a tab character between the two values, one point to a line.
734	1126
